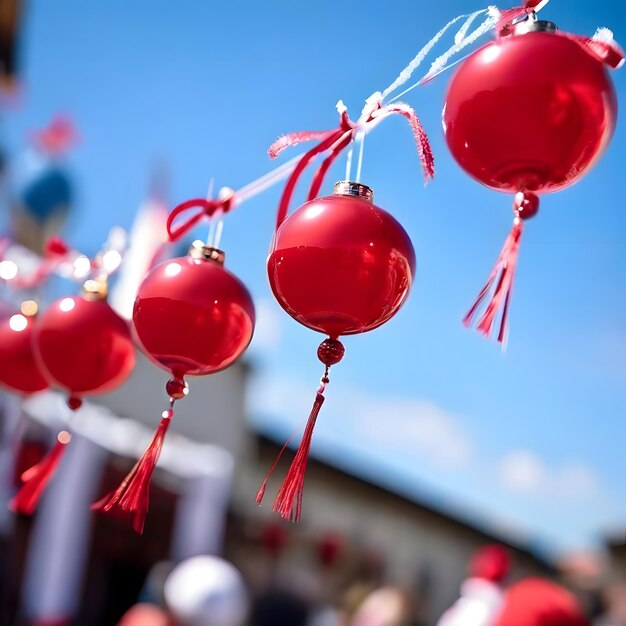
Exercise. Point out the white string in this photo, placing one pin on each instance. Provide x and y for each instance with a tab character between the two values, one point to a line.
461	39
349	162
218	233
361	139
266	181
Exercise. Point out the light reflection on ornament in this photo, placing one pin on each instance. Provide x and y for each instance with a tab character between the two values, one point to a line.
67	304
173	269
18	323
8	270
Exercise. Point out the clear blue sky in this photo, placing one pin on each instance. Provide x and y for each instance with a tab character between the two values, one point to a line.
531	440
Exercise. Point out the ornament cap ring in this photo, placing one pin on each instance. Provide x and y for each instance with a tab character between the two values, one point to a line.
203	252
534	26
351	188
95	289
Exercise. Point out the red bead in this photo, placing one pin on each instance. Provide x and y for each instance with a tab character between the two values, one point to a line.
193	316
19	370
330	351
168	414
525	204
176	388
74	403
341	265
529	112
83	346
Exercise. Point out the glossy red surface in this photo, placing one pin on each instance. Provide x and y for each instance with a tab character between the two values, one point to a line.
193	316
340	265
83	346
18	369
529	112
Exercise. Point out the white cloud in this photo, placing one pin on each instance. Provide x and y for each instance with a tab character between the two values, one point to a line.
411	428
523	471
416	427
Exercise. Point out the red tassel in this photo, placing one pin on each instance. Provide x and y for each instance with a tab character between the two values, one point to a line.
502	277
132	497
289	499
37	477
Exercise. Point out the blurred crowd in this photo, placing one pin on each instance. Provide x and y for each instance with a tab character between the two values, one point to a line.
210	591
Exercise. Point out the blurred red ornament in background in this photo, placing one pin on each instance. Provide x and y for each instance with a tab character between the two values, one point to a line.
529	113
339	265
538	602
19	371
192	317
83	346
491	562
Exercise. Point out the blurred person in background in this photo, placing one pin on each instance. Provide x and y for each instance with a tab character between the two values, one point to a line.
387	606
614	606
539	602
145	615
279	607
204	591
482	593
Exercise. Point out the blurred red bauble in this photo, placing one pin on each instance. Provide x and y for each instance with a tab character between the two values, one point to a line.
530	112
340	265
491	562
192	316
83	345
19	370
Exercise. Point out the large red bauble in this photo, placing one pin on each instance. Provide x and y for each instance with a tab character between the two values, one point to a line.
84	346
341	265
192	316
19	370
529	112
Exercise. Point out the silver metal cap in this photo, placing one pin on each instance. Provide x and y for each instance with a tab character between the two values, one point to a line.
349	188
199	250
534	26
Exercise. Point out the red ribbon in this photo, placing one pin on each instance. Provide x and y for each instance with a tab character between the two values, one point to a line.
336	140
204	208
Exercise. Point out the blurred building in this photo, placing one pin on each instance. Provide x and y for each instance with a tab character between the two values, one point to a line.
204	492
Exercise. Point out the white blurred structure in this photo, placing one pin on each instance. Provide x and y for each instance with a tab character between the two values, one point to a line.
206	591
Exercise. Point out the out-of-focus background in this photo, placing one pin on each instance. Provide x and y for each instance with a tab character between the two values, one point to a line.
432	443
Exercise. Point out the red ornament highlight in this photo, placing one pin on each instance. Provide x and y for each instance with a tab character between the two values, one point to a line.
530	113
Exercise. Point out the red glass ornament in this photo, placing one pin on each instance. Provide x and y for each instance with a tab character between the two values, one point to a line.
529	113
19	371
339	265
192	317
84	346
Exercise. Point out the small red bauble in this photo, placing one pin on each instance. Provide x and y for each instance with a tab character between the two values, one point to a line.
83	345
529	113
19	370
341	265
192	316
